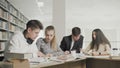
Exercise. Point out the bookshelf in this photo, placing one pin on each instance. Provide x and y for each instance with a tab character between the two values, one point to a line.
11	20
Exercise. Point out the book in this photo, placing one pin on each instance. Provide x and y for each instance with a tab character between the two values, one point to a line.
0	35
0	24
5	15
3	3
2	46
1	12
12	27
4	35
4	25
19	55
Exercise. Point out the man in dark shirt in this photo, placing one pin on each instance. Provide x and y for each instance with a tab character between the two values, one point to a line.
72	42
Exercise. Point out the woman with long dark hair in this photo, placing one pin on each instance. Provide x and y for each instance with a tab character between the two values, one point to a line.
99	44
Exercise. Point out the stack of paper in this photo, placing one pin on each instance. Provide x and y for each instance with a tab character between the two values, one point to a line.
37	60
97	56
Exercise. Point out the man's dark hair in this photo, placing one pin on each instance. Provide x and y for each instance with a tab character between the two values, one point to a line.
76	31
34	24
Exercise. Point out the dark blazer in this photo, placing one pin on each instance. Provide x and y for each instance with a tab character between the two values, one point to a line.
66	43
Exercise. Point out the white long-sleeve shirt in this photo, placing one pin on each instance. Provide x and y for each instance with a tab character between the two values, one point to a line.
18	44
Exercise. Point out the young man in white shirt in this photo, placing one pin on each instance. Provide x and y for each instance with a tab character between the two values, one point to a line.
22	42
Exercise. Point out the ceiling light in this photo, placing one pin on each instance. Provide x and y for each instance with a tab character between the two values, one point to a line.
40	4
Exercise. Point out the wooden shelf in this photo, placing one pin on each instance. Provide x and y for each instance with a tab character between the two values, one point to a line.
11	20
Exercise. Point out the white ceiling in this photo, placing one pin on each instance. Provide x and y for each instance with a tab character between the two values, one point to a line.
31	10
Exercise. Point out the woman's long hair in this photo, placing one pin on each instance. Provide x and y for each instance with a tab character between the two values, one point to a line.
100	39
53	42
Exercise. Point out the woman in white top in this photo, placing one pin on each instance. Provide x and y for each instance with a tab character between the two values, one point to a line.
99	44
22	42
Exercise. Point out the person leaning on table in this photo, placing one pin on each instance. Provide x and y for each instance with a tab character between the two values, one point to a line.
72	42
99	44
22	42
48	45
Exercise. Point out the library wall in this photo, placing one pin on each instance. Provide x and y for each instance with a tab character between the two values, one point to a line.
11	20
92	14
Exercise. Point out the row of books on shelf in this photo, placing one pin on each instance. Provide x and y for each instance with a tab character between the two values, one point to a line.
18	18
11	18
15	28
14	20
16	13
3	35
12	27
4	3
3	24
3	14
13	10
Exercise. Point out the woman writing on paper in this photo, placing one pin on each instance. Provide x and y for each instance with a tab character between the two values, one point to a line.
99	44
48	45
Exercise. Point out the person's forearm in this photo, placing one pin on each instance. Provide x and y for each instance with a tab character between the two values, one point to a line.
105	53
40	54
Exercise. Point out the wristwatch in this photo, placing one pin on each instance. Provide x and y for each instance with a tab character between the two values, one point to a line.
99	53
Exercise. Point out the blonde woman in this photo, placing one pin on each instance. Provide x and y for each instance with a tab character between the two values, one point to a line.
48	44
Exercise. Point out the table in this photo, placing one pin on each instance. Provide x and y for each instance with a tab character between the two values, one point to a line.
78	63
110	62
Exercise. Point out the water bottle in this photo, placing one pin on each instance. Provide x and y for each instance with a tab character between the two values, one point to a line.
115	52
